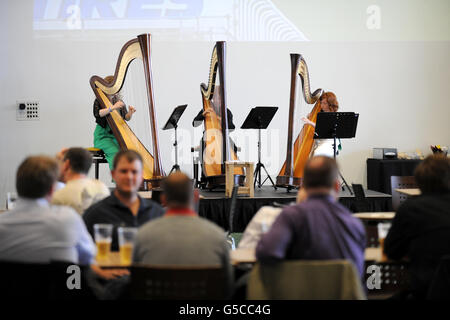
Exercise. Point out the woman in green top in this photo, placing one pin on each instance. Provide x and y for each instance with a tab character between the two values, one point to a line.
103	137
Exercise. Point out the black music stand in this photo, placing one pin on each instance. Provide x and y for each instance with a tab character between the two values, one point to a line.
173	123
336	125
259	118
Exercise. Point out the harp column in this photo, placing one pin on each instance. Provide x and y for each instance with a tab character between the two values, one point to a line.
145	41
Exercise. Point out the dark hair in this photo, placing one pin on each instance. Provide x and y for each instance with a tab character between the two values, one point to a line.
433	174
178	189
80	160
35	176
130	155
320	172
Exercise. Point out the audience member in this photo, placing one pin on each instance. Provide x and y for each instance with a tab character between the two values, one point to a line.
37	232
181	237
420	230
80	192
124	207
319	228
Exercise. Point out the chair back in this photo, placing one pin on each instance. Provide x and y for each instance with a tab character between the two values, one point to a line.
152	282
361	203
41	281
440	285
305	280
401	182
232	207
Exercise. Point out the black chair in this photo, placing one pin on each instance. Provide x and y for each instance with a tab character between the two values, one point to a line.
151	282
231	234
98	156
41	281
401	182
393	276
440	285
361	203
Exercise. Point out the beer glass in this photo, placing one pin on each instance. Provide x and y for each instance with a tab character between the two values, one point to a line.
383	229
127	237
103	237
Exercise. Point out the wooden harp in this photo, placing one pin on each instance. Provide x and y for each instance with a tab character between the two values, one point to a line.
291	173
135	48
218	149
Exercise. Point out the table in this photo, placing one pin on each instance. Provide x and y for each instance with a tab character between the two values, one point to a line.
238	256
379	172
409	192
113	261
378	216
241	256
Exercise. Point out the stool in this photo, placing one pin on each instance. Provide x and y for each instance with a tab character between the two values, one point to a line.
98	156
248	187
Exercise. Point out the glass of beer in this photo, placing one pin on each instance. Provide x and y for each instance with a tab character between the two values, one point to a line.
103	237
383	229
126	244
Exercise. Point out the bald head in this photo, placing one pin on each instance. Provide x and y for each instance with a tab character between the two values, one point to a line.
178	190
320	172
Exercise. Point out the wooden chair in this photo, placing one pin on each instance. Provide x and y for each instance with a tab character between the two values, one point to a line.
248	187
305	280
152	282
401	182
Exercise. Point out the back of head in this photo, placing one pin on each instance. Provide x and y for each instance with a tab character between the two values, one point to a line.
36	176
320	172
80	160
178	190
129	155
433	174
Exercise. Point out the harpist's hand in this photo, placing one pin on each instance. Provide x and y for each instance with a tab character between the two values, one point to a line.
119	104
131	110
307	121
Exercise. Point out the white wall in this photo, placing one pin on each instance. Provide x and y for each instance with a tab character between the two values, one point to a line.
397	87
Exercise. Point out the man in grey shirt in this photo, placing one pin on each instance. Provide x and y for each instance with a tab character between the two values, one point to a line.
36	231
181	237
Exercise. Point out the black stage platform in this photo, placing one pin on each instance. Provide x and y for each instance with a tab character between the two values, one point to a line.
215	207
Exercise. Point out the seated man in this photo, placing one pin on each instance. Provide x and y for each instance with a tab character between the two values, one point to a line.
181	237
80	192
37	232
319	228
420	230
124	207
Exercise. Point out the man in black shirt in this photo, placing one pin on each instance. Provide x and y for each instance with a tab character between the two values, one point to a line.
421	228
124	208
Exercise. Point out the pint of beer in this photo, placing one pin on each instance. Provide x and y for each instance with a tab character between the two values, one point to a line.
126	244
383	229
103	249
103	237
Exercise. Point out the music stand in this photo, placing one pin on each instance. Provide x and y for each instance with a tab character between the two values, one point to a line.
336	125
259	118
172	122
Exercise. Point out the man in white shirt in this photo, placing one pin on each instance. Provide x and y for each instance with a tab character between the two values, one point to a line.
261	223
36	231
80	192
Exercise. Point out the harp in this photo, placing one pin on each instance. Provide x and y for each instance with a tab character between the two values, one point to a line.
291	173
135	48
216	136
